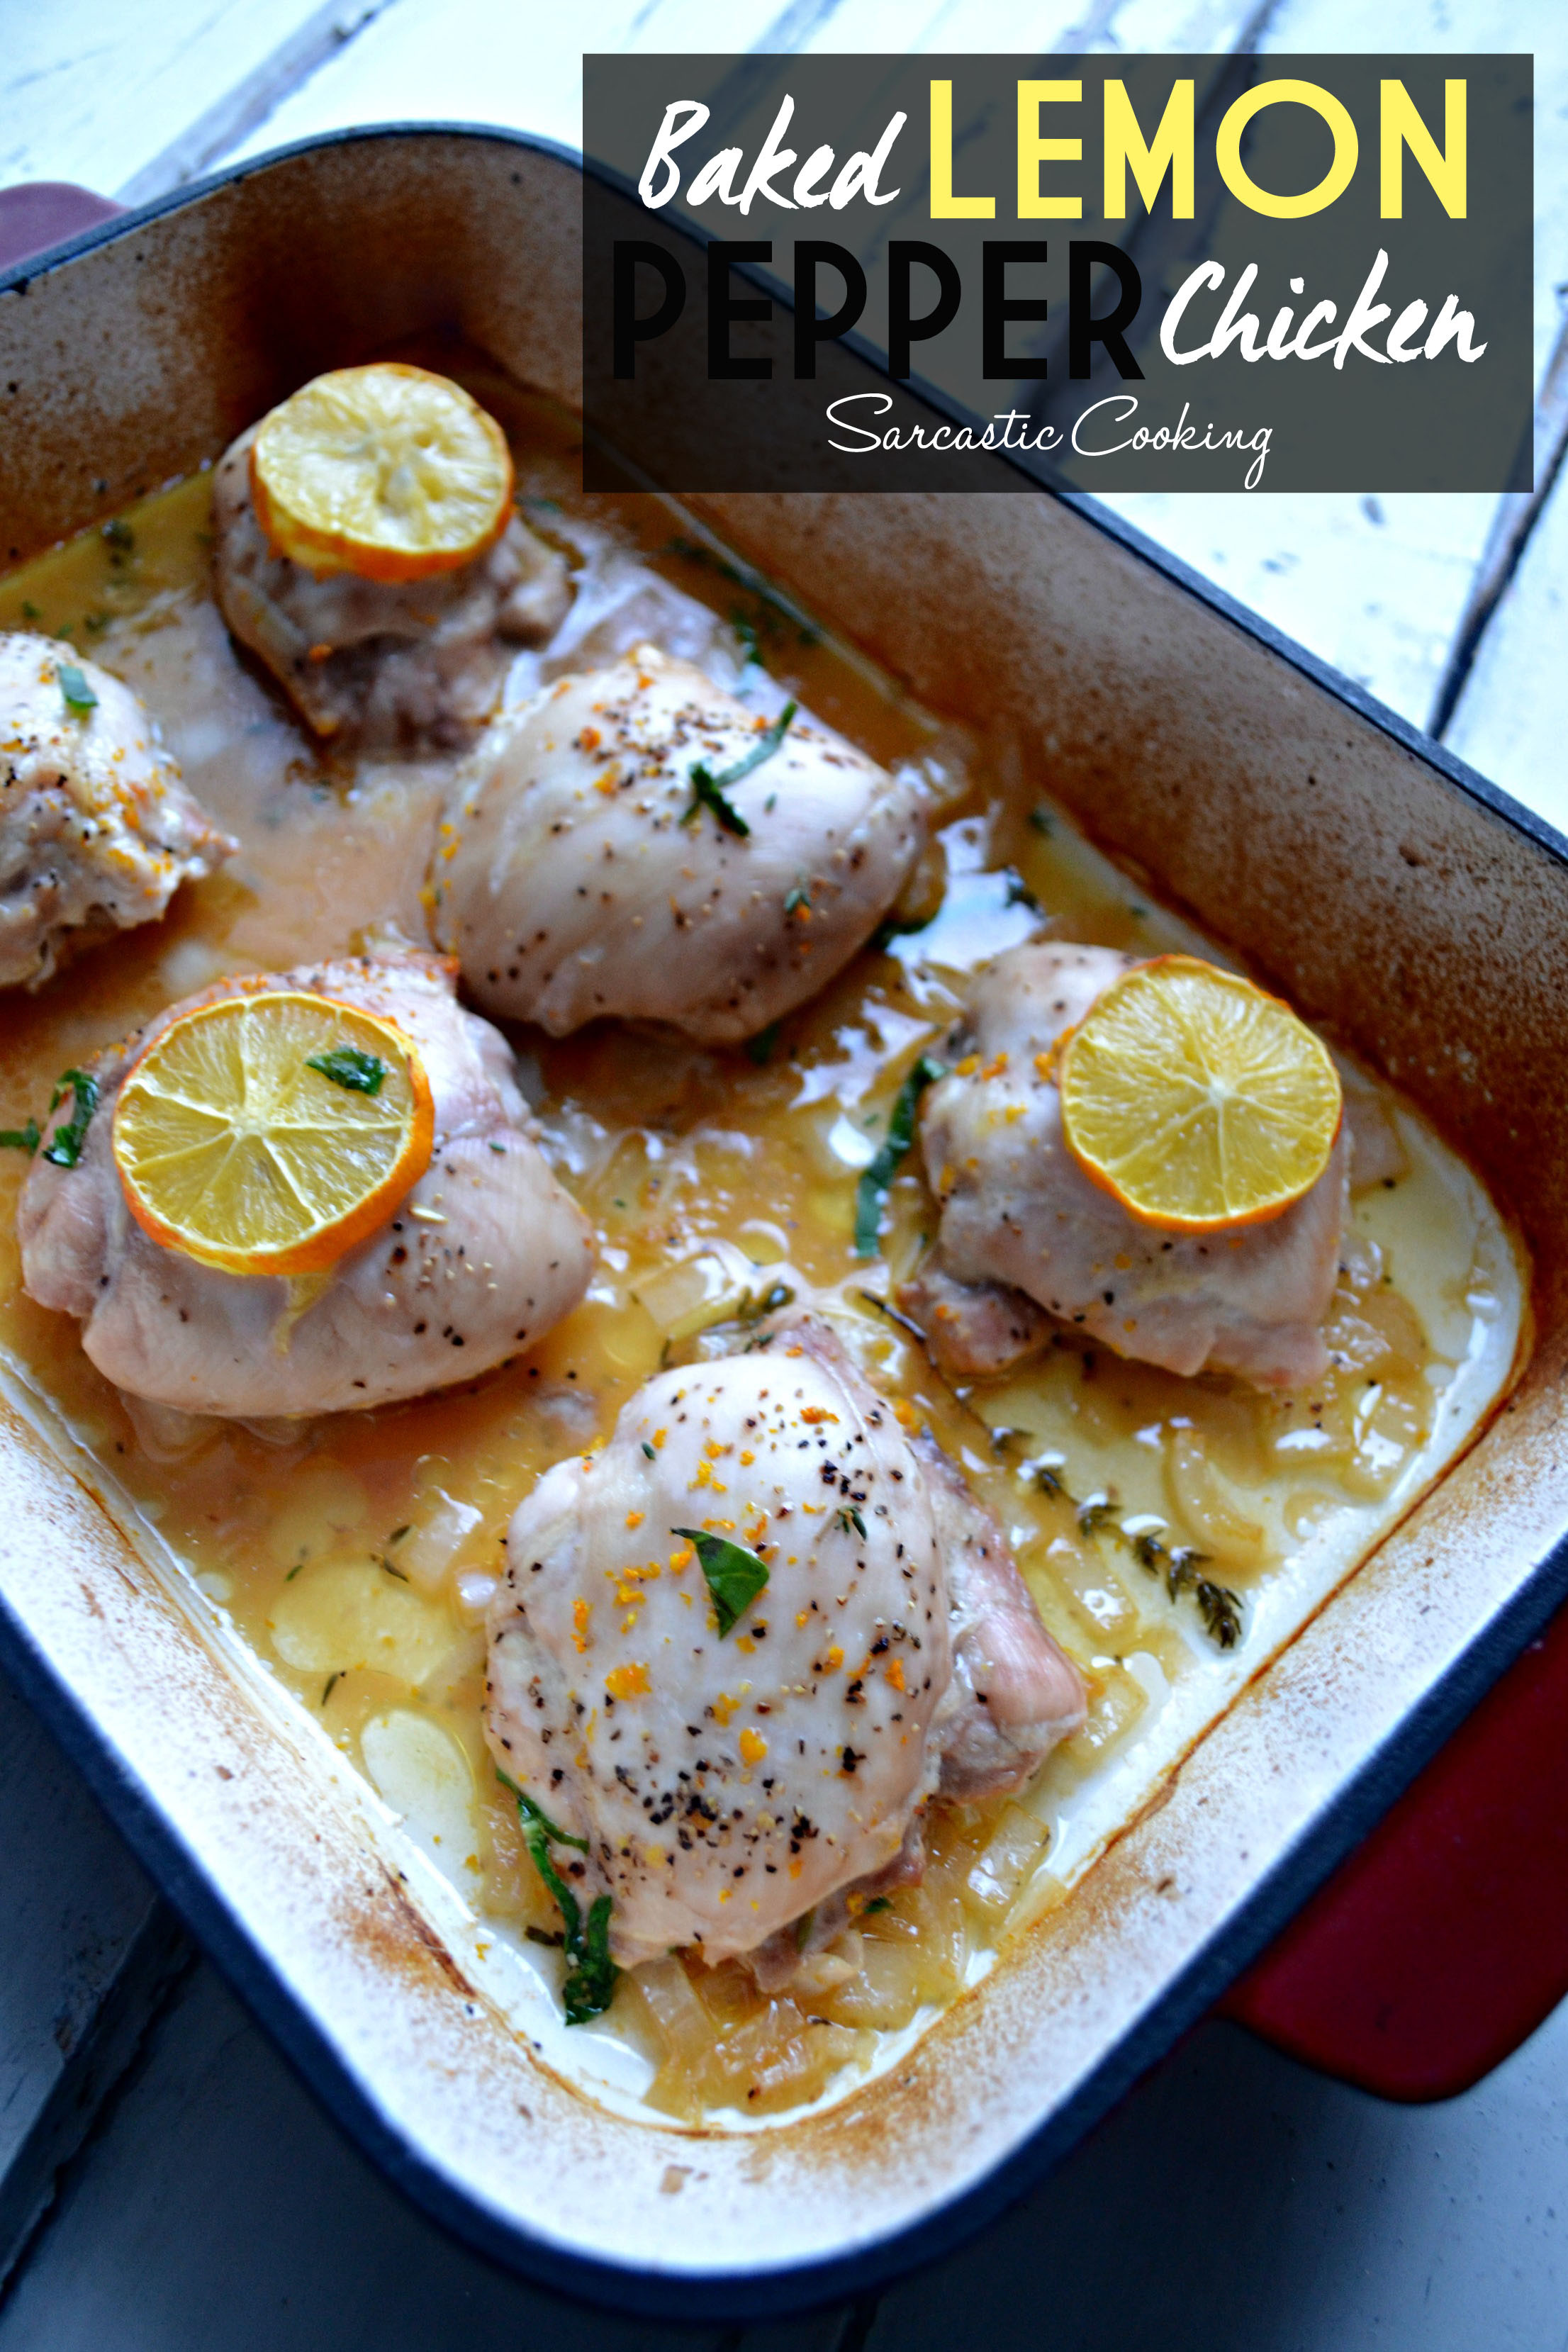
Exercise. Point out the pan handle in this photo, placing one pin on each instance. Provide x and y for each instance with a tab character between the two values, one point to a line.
40	213
1442	1942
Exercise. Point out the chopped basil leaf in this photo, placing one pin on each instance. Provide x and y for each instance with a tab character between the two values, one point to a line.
79	697
65	1148
877	1903
734	1575
362	1073
708	790
706	793
760	1048
876	1179
30	610
590	1985
20	1138
649	1451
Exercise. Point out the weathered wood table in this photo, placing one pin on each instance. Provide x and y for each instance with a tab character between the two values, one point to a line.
164	2182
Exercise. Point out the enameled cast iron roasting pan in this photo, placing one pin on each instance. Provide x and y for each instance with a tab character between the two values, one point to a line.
1385	889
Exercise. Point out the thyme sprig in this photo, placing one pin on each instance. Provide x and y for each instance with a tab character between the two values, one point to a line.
591	1978
1179	1566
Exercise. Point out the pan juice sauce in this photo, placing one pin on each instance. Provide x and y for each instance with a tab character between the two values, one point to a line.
354	1555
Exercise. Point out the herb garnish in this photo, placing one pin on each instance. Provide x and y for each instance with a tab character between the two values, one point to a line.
753	1305
590	1985
708	790
897	927
79	698
119	535
876	1179
65	1148
905	1322
760	1048
797	898
771	608
849	1517
1178	1564
1218	1606
346	1065
734	1575
649	1451
20	1138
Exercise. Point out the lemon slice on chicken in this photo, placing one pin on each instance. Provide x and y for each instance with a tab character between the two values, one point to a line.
1196	1099
389	471
267	1133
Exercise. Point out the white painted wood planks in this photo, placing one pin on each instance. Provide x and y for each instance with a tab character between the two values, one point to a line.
92	91
1511	721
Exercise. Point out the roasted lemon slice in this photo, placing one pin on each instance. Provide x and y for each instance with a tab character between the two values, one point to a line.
1196	1099
267	1133
388	471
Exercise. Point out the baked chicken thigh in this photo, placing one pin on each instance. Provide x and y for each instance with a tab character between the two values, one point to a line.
637	842
479	1260
733	1773
1026	1235
376	664
97	832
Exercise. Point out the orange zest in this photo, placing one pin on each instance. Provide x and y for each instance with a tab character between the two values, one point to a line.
233	1149
1196	1099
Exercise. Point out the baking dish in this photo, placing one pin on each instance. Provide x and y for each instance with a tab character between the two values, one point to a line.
1386	891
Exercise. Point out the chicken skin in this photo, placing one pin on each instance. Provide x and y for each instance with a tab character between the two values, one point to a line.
375	664
589	874
97	832
729	1783
1026	1234
479	1260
